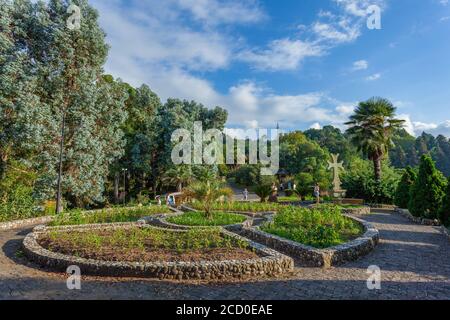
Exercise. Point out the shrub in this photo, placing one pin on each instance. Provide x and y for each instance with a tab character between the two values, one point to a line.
428	191
444	213
263	191
359	181
404	188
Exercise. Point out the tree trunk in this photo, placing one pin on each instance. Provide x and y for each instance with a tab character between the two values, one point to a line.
116	188
377	168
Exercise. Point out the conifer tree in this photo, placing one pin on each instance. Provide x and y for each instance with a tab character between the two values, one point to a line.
428	191
404	188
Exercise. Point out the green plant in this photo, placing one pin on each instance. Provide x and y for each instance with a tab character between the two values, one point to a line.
444	212
428	191
263	191
199	219
372	127
404	188
208	193
321	227
240	206
79	217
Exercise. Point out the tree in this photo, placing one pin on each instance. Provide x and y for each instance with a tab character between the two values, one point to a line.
178	176
371	130
263	191
24	119
428	191
444	213
305	184
404	188
207	193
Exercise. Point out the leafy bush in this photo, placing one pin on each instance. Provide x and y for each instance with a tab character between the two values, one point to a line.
320	227
263	191
16	194
359	181
199	219
404	188
79	217
428	191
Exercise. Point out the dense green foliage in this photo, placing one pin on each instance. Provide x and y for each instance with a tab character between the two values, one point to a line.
320	228
428	191
444	213
360	183
199	219
207	193
79	217
402	195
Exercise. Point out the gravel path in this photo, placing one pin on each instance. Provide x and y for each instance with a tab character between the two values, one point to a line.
414	260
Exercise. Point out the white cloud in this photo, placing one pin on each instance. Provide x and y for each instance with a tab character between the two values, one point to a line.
215	12
341	32
316	126
360	65
374	77
444	2
282	54
416	128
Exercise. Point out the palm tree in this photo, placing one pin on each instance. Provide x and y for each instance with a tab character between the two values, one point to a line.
207	193
178	176
371	128
263	191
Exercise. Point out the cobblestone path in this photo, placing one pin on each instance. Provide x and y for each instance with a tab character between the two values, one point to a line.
414	259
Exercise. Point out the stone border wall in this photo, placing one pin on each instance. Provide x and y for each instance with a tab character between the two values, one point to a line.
357	211
10	225
427	222
313	257
271	263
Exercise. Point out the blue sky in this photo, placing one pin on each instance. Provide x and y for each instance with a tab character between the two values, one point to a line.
302	63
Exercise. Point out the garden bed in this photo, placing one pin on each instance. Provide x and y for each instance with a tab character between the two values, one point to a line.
144	251
241	207
112	215
317	237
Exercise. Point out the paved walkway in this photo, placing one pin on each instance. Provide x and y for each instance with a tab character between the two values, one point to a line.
414	259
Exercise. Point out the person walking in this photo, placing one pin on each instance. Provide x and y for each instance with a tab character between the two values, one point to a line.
317	193
245	194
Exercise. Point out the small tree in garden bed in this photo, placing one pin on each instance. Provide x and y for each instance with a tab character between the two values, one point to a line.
207	193
404	188
428	191
263	191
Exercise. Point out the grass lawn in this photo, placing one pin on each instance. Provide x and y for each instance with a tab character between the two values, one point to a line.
198	219
148	244
114	215
289	199
319	228
241	206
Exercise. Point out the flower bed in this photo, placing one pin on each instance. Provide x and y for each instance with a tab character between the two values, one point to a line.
317	237
319	228
136	250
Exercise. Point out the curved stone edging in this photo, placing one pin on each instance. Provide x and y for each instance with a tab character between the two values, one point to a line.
271	263
24	223
161	221
313	257
426	222
357	211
